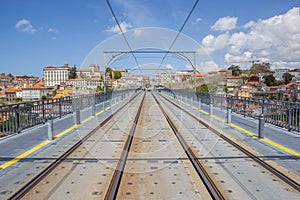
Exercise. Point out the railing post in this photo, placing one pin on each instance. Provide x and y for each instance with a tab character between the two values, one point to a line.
50	129
261	126
77	116
94	106
289	117
19	119
244	107
199	104
60	108
210	105
229	115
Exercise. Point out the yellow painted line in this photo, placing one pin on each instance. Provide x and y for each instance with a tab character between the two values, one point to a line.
23	155
99	112
65	132
290	151
244	130
204	112
87	119
285	149
37	147
218	118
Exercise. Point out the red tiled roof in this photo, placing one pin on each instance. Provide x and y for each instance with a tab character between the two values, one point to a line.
11	90
233	77
199	75
50	67
34	88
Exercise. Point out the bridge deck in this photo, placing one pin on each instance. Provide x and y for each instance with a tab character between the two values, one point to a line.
25	155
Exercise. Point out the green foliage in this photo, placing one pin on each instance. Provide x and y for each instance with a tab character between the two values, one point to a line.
236	71
72	73
99	89
260	68
117	75
202	88
270	80
184	78
109	71
287	77
43	98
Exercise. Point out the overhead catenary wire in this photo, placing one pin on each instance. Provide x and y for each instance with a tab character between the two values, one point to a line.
117	21
179	32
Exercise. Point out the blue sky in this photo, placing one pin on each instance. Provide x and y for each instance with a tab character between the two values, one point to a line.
38	33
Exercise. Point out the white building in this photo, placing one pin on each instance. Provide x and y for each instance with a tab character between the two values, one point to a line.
85	83
33	92
56	75
279	73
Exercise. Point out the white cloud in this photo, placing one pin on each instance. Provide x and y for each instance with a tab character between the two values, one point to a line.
276	39
212	43
52	30
169	66
249	24
137	33
225	24
198	20
115	29
24	25
207	66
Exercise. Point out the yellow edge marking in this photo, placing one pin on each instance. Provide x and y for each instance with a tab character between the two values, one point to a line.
242	129
290	151
99	112
87	119
65	131
23	155
204	112
218	118
285	149
37	147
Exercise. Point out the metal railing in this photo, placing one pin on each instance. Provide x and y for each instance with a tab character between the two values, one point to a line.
279	113
15	118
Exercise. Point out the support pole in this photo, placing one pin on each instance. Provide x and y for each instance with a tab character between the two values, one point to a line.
261	126
77	116
228	115
210	106
50	128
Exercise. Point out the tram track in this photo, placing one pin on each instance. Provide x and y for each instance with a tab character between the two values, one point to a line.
207	180
45	172
286	179
116	179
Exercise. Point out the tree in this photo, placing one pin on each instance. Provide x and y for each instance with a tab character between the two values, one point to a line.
260	68
202	88
117	75
72	73
270	80
109	71
99	88
287	77
236	71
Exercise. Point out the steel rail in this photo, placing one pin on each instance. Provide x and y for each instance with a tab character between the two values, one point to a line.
208	182
117	176
29	185
271	169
